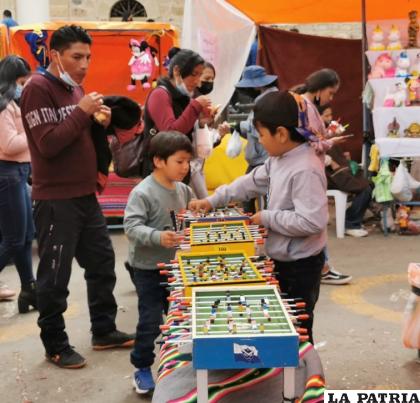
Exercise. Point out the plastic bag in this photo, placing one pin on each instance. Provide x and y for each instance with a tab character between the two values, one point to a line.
400	187
234	146
203	142
382	181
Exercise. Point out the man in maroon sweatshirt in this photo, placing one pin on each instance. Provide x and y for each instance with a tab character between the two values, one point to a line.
69	223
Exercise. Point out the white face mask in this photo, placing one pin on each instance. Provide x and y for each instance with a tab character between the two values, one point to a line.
183	89
64	76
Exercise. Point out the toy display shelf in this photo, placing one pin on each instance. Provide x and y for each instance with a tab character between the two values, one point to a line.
273	343
396	147
373	54
380	86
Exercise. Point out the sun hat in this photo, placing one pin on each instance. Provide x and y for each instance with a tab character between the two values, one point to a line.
255	76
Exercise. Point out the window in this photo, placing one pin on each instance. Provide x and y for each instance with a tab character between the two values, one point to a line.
125	8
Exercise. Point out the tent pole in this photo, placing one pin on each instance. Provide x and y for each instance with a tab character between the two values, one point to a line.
365	111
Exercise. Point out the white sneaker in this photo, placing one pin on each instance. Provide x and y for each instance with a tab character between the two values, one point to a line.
357	232
5	292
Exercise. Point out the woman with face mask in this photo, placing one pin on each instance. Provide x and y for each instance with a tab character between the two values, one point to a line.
198	180
171	105
16	225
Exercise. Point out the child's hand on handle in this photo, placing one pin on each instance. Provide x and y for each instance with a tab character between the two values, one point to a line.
199	205
256	218
91	103
169	239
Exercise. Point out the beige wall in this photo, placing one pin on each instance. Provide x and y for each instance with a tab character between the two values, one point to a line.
167	11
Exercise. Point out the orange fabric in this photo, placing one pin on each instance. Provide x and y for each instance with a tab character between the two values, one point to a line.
109	72
307	11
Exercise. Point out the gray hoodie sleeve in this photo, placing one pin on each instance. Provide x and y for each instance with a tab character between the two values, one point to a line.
310	214
135	217
243	188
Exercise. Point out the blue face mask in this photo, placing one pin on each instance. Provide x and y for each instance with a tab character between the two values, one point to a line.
64	76
18	91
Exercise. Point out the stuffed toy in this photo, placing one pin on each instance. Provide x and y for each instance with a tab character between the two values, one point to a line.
413	87
383	67
394	39
37	43
142	63
403	64
413	29
377	39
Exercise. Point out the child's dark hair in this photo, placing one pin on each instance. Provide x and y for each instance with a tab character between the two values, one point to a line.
186	60
278	109
7	13
318	80
165	144
11	68
65	36
323	108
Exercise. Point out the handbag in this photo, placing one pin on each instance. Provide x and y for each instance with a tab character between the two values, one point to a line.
129	158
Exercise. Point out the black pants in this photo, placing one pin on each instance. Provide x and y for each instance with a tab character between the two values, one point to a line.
302	279
66	229
152	302
249	205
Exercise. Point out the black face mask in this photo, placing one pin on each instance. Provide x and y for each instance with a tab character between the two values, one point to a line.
206	87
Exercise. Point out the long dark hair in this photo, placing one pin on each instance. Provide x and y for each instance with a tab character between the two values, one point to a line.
186	60
11	68
317	81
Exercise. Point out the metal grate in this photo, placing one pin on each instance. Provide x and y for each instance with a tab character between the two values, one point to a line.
128	7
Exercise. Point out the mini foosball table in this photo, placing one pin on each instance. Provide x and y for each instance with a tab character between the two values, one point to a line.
219	214
193	269
234	327
223	236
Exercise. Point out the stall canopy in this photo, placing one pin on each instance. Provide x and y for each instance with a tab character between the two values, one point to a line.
318	11
109	71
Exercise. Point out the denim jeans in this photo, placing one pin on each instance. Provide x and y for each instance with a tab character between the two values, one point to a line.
67	229
357	209
302	279
152	303
16	225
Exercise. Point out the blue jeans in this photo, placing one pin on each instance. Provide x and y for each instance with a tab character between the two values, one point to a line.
16	225
357	209
152	302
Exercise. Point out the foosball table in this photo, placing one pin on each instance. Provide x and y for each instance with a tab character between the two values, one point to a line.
223	236
193	269
219	214
235	327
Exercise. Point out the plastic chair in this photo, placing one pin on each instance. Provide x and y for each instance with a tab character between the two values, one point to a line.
340	200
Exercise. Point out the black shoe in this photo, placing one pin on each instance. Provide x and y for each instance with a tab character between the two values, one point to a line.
27	297
68	358
114	339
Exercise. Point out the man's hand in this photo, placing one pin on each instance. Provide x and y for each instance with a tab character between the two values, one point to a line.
169	239
223	129
91	103
256	218
199	205
103	117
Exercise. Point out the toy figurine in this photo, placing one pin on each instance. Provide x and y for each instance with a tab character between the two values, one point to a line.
141	64
415	71
403	218
394	39
377	39
412	131
413	29
384	66
403	64
37	40
413	87
396	98
335	128
393	129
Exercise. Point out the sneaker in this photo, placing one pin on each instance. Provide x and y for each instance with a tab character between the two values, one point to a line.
114	339
68	358
357	232
335	278
143	381
5	292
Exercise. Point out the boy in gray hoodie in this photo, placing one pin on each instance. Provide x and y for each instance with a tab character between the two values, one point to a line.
297	212
152	239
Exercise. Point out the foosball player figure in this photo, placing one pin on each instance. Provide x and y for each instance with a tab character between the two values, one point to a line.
248	313
253	324
228	297
229	313
241	309
262	327
213	315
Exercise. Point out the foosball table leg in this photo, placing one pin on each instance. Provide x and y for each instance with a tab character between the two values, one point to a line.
289	384
202	386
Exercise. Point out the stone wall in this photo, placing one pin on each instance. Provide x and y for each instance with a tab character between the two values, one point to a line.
169	11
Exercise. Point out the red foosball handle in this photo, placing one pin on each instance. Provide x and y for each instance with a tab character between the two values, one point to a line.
164	327
302	330
164	272
304	316
171	279
300	304
161	265
303	338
